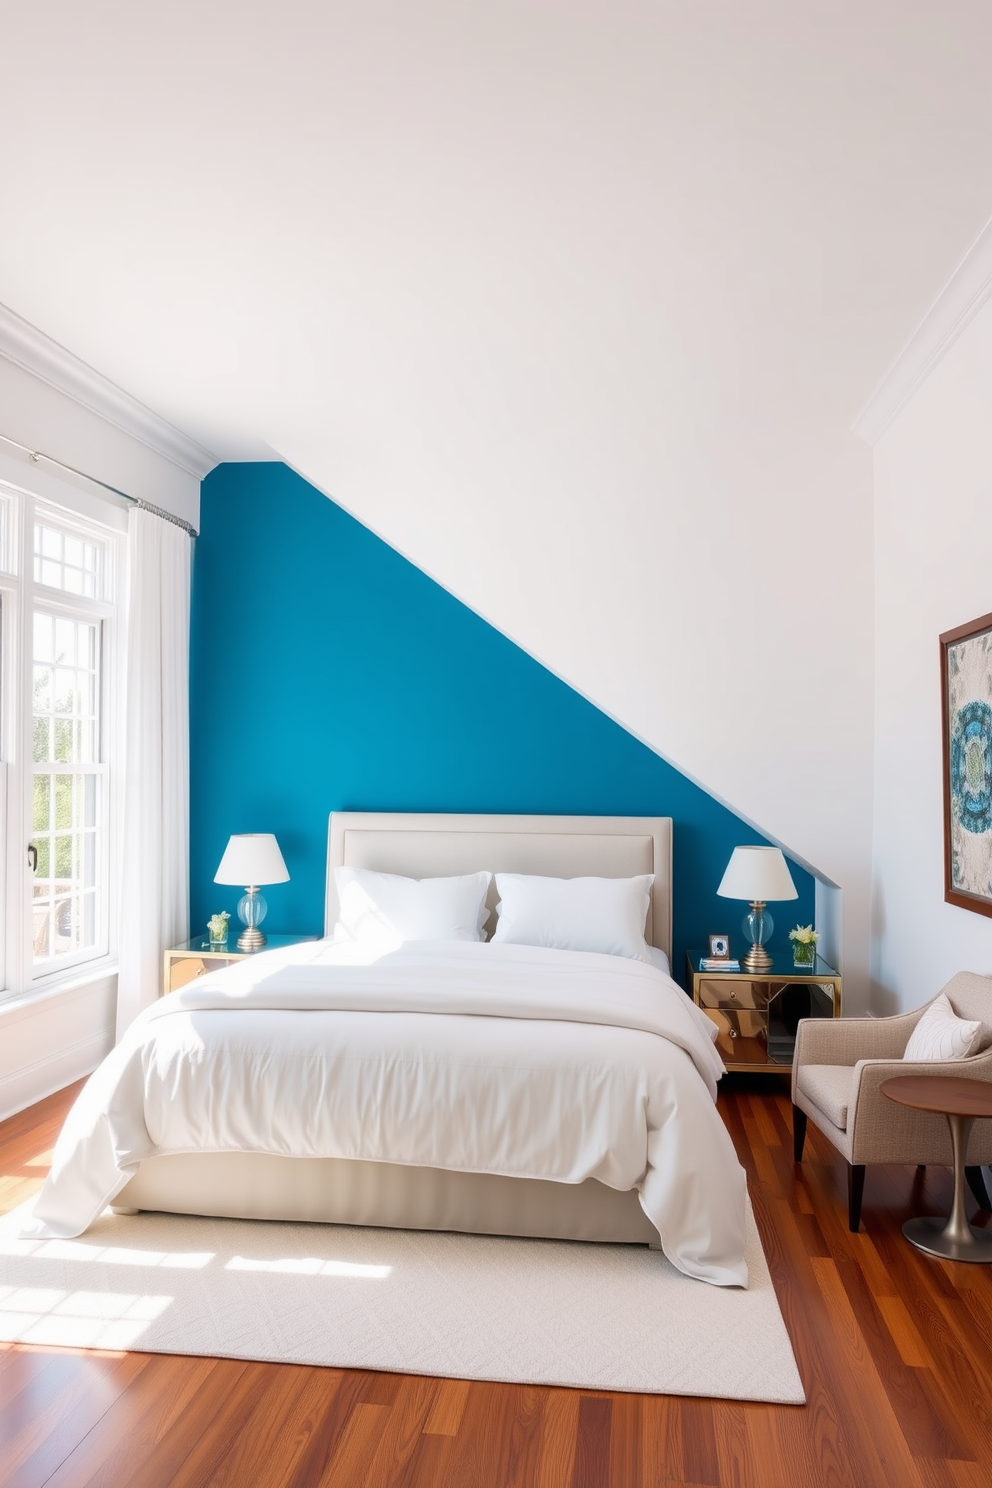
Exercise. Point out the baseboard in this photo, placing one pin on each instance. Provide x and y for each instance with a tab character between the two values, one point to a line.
25	1087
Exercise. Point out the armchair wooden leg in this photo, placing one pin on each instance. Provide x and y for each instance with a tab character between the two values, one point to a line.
798	1133
855	1193
978	1186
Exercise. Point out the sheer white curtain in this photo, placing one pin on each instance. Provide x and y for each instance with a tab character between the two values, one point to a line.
154	856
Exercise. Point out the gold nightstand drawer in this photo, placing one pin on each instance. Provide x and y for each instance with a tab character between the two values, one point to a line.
196	957
190	967
715	992
742	1037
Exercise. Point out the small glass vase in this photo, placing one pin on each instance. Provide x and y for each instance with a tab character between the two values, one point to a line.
215	938
803	956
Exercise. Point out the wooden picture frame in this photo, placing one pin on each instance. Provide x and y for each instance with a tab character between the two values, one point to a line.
966	740
719	947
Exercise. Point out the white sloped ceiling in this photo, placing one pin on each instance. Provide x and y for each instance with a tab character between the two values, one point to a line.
574	303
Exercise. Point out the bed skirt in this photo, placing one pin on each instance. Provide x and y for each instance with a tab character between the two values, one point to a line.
253	1185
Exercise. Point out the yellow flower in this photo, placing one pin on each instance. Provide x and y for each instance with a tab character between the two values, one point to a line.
804	935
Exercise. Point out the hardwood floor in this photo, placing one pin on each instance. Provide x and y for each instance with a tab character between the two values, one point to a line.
895	1351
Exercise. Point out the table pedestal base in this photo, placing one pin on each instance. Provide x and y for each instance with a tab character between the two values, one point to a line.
938	1237
953	1237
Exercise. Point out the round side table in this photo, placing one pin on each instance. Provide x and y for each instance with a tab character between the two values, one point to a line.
962	1102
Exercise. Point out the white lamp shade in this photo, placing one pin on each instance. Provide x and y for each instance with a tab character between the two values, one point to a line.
251	859
757	873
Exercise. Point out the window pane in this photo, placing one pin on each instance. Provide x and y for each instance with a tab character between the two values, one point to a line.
65	696
41	814
42	689
64	561
43	631
65	641
66	882
89	804
42	926
64	682
63	800
66	806
41	745
62	741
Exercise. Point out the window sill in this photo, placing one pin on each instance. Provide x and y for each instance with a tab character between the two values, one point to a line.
57	984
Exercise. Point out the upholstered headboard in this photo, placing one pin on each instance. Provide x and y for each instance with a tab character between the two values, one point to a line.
429	845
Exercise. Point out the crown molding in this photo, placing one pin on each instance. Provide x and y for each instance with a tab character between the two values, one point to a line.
955	307
27	347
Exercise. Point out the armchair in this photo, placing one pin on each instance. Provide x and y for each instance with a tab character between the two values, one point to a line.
838	1068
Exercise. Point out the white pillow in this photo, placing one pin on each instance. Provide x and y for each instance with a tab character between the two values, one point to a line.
574	914
386	908
941	1034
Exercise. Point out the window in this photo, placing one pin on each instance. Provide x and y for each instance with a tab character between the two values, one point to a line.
65	561
59	667
67	806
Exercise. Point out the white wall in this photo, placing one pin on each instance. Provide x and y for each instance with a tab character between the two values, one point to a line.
47	1042
933	571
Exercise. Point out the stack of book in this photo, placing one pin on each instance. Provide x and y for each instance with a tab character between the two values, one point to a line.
711	963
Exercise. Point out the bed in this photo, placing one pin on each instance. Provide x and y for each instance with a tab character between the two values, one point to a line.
696	1186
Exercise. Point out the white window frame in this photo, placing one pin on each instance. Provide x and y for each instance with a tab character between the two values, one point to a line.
19	595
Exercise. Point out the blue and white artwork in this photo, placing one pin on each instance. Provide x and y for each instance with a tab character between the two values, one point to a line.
969	725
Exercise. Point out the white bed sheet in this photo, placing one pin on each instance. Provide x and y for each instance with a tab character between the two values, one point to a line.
493	1059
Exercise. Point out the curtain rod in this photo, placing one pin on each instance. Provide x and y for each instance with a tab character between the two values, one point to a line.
137	501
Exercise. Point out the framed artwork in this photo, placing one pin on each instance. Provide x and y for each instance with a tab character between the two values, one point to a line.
966	728
720	947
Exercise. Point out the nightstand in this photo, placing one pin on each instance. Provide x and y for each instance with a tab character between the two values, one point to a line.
757	1015
183	963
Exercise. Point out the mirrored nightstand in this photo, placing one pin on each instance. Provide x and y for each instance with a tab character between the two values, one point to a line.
756	1014
184	963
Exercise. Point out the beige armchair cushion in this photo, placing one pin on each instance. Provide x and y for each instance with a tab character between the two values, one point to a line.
829	1087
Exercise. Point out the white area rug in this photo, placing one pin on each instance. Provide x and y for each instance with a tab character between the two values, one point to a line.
604	1317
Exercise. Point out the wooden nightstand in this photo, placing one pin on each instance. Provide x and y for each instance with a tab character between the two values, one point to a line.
757	1014
183	963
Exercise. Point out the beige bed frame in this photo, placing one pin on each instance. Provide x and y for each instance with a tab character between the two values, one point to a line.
249	1185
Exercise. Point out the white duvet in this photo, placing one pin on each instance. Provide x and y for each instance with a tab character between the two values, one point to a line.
483	1058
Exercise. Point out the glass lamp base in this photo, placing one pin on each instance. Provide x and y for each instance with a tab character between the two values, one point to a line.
757	926
252	909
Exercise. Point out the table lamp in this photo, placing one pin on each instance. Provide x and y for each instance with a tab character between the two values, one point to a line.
757	874
251	858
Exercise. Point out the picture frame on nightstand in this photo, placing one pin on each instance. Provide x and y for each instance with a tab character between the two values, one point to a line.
719	948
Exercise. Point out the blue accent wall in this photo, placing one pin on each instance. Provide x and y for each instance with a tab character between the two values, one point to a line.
329	673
